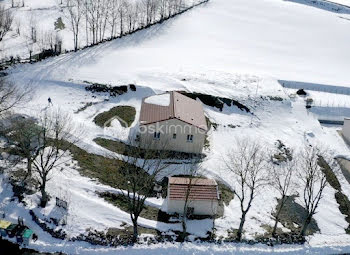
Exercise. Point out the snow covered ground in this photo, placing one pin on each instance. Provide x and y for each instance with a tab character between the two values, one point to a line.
344	2
237	50
282	39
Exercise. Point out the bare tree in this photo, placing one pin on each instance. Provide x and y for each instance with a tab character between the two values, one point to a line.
122	14
52	146
114	16
191	171
141	169
30	48
22	135
281	180
314	181
104	12
10	95
18	26
247	162
75	13
33	28
6	19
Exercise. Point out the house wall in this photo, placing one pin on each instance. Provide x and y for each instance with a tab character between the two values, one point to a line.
346	129
167	142
201	207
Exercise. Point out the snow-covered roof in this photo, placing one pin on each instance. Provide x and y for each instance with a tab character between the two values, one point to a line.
155	109
162	99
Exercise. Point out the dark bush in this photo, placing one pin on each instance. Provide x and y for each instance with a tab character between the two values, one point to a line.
301	92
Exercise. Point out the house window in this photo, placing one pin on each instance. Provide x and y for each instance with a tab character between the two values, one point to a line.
156	135
174	136
189	138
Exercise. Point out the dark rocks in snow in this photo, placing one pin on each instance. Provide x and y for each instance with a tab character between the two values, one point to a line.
214	101
132	87
112	90
59	234
301	92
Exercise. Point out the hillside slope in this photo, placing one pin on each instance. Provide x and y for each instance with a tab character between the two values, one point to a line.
281	39
231	48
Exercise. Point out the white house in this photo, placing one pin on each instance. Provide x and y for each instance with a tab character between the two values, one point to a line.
346	129
203	196
173	122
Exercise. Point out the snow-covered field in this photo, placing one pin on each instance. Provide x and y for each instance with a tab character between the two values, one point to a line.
344	2
283	39
237	49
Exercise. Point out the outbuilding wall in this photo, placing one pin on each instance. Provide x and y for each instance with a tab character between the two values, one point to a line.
346	129
201	207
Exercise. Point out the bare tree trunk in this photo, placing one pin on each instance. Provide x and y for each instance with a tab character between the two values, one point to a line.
305	225
275	226
184	217
184	228
241	225
135	230
44	196
76	41
29	166
283	200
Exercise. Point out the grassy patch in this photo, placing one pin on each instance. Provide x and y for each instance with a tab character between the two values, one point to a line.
115	146
226	193
210	123
127	232
125	113
330	176
226	197
206	142
340	197
107	171
121	202
293	215
129	150
344	207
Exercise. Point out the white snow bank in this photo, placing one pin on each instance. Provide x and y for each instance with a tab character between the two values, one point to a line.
343	2
163	99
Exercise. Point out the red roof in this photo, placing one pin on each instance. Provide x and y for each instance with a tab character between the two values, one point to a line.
195	188
181	107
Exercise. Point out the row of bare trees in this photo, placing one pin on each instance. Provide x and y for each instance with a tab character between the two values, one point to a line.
115	17
95	21
252	171
41	142
6	19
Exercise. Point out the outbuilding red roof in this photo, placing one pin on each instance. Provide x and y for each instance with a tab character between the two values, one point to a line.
180	107
196	188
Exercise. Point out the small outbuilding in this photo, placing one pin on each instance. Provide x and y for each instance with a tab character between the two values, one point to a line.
346	129
202	196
